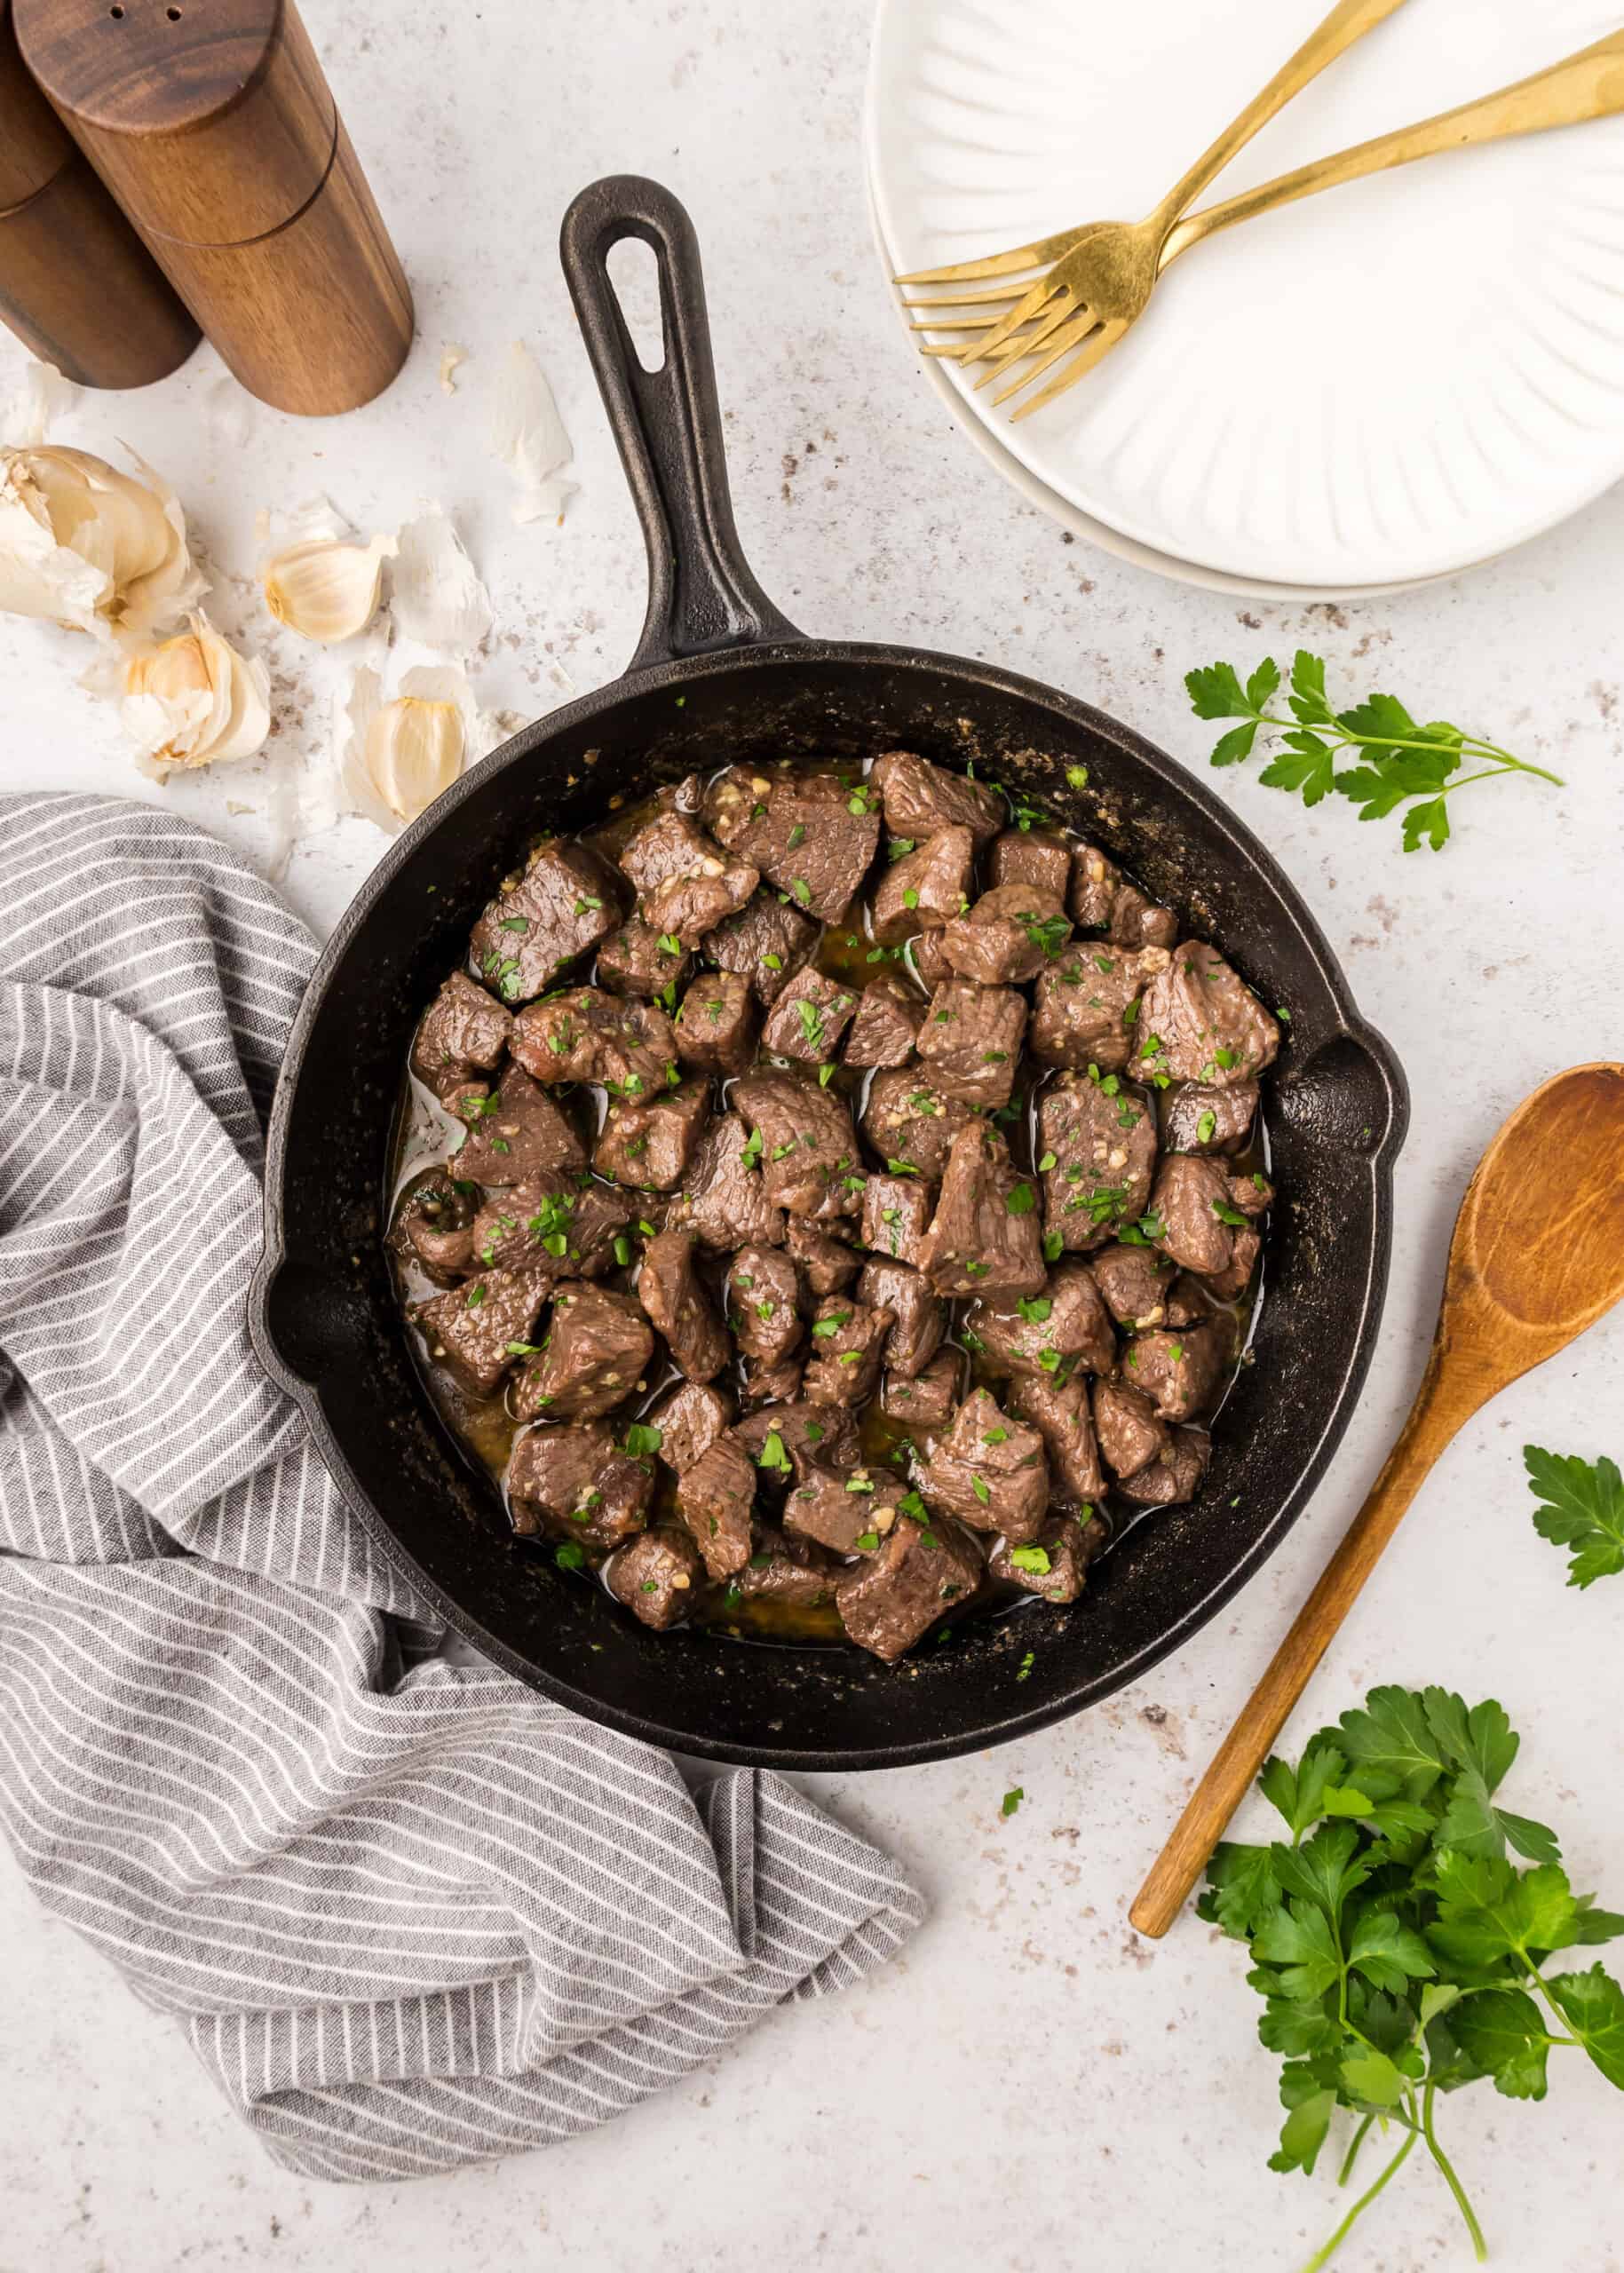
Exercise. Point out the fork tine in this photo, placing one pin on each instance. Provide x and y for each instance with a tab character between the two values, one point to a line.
1037	255
1059	343
953	323
970	299
1063	308
1025	309
1089	359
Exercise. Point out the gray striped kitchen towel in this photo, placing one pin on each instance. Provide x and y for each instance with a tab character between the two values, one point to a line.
409	1913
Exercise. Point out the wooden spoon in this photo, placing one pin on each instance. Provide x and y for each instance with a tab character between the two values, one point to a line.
1537	1256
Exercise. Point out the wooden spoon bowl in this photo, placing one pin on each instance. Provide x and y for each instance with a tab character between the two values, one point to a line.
1537	1256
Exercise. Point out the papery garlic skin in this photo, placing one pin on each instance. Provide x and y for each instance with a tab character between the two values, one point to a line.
325	588
528	436
85	546
436	595
195	702
403	754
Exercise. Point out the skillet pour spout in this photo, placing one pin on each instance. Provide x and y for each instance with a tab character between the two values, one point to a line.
720	676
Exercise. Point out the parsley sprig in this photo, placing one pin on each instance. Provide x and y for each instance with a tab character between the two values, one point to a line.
1583	1508
1399	1951
1402	762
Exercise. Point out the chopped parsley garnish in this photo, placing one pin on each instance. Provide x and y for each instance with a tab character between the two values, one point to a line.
1034	1559
1011	1800
1206	1128
642	1438
1022	1200
772	1454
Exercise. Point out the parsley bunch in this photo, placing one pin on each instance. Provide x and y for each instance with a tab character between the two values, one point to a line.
1399	1951
1401	763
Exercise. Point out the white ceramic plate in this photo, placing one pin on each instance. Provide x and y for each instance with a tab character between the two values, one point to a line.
1383	384
987	442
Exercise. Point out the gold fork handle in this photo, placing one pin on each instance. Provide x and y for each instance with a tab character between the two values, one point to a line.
1589	85
1347	22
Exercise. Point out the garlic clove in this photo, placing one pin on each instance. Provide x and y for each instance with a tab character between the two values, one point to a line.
98	550
325	588
401	754
436	595
195	702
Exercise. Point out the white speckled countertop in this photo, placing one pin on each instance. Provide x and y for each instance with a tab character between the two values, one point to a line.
1031	2087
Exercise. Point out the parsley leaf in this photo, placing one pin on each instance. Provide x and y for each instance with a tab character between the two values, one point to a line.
1402	764
1582	1507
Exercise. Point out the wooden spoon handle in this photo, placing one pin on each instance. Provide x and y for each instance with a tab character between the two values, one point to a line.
1446	1400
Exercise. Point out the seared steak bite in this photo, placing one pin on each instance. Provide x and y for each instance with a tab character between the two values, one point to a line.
808	1148
969	1042
1212	1026
1251	1195
1060	1412
716	1026
983	1237
555	1223
1011	934
464	1032
925	888
762	1290
654	1575
809	1018
1038	856
782	1439
597	1347
891	1596
685	883
1229	1285
434	1225
767	943
585	1035
896	1216
1093	889
1136	1282
911	1121
848	1338
1086	1009
690	1420
919	1319
774	1385
1136	921
573	1480
787	1570
1200	1119
849	1511
1190	1203
517	1134
558	910
470	1329
723	1197
1174	1476
990	1471
676	1304
638	960
925	1400
715	1499
887	1021
811	835
1065	1329
826	1261
928	961
923	799
1130	1431
1096	1154
1178	1371
1055	1564
649	1141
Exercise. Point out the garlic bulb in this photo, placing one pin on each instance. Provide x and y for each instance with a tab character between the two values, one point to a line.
95	550
402	753
326	589
194	701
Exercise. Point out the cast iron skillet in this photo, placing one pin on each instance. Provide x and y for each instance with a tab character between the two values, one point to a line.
719	675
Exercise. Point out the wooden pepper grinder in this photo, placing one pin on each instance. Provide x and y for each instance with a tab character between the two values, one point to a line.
212	124
76	284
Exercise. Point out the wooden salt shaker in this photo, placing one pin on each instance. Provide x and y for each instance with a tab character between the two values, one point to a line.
76	284
213	124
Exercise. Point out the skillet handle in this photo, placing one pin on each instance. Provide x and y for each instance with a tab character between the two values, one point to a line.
701	594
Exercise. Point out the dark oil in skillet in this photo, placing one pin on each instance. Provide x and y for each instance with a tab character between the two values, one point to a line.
484	1428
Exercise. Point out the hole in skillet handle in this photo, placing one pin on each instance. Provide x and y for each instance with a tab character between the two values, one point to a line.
702	596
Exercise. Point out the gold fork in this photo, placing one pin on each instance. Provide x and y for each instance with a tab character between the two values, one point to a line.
1586	86
1106	270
